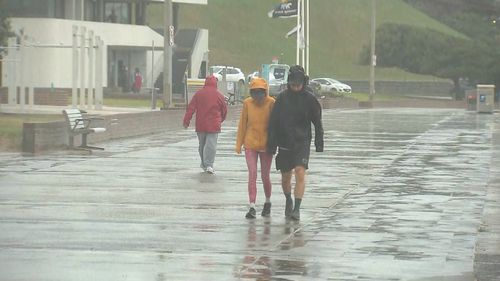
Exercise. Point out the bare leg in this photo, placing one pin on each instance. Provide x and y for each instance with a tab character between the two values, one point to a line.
300	182
286	182
300	185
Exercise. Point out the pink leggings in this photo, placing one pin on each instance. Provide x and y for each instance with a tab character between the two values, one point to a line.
265	167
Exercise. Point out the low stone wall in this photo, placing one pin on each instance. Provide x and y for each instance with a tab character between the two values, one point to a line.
39	137
412	88
346	102
417	103
136	124
343	102
43	96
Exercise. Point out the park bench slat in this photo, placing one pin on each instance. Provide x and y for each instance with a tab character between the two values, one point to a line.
78	125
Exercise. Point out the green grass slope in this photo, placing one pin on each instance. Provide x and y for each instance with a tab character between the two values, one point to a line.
241	34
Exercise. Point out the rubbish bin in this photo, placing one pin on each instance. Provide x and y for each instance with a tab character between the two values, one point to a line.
470	96
485	98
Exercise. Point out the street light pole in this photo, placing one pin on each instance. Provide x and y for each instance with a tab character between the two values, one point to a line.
373	58
168	33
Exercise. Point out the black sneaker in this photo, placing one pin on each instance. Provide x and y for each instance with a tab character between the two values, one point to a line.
266	211
251	214
288	208
296	214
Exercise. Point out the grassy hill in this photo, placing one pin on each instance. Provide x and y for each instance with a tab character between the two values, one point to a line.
241	34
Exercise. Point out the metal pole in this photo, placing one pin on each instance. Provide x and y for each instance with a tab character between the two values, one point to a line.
297	60
167	54
30	76
83	30
82	10
98	73
12	72
74	81
373	58
302	33
90	97
22	67
224	81
307	37
153	100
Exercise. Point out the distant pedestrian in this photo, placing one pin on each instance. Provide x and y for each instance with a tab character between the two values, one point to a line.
137	81
252	135
210	108
124	79
290	131
112	16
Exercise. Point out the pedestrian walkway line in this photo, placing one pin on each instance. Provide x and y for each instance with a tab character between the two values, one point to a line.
249	268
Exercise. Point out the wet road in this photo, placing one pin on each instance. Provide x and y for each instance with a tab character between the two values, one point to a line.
398	194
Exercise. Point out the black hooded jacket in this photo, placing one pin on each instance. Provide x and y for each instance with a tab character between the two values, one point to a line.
290	122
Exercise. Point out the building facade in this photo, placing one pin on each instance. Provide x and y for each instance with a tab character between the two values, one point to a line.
46	27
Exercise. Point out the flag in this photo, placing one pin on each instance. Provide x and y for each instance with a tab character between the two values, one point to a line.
292	32
302	41
287	9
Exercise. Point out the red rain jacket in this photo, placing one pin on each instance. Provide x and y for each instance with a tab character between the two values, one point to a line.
210	108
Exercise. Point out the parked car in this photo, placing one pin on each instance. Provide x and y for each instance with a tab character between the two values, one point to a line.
332	86
278	76
252	75
316	88
233	74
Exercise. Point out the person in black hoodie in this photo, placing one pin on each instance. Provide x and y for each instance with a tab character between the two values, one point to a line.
289	132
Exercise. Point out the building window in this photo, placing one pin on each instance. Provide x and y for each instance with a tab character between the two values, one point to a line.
116	12
90	11
35	9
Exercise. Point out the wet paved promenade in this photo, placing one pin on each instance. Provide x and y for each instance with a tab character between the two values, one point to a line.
398	194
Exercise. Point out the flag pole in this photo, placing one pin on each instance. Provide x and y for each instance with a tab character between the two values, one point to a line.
302	34
308	11
298	32
373	57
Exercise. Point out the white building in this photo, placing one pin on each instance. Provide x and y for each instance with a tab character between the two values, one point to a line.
48	24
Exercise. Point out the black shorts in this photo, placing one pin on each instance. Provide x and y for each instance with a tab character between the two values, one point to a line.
287	160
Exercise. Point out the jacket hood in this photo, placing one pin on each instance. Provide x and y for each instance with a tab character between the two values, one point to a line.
259	83
211	81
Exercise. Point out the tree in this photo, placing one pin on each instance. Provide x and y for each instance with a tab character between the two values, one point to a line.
4	26
425	51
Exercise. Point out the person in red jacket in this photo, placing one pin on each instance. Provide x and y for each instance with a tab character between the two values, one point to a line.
137	81
211	110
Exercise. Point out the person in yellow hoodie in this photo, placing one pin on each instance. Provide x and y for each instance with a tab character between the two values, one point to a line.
252	135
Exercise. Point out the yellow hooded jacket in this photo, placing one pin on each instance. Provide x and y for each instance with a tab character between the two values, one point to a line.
254	120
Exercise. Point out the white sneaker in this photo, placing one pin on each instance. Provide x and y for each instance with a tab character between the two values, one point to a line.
210	170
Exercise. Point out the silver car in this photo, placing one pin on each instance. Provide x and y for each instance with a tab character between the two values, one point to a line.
332	86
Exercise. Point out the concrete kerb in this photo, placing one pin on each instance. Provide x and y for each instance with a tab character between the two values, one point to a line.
487	250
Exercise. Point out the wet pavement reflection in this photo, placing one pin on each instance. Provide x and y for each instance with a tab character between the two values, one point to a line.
398	194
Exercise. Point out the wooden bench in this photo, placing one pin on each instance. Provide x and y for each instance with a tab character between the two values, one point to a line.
78	125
